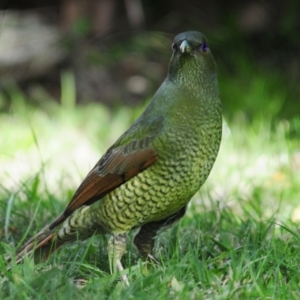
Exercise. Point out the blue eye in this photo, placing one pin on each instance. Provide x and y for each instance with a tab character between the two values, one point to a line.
204	47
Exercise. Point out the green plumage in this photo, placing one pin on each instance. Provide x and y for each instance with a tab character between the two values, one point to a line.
156	166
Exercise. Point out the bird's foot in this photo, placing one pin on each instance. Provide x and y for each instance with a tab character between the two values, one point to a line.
148	263
124	277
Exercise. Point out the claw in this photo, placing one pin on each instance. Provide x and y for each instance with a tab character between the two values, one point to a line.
152	258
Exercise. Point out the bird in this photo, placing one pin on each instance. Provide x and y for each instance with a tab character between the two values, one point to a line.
146	179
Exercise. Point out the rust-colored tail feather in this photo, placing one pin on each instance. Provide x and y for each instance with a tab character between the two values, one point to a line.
41	245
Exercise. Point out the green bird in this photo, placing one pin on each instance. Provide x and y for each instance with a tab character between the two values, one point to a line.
147	177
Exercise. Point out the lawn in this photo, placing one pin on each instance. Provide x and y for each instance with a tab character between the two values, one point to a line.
238	240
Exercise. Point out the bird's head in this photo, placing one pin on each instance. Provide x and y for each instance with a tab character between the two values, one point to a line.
192	58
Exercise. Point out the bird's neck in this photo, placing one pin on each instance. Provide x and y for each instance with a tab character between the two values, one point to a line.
197	84
193	77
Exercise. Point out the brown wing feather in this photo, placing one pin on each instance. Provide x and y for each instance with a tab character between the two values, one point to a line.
112	170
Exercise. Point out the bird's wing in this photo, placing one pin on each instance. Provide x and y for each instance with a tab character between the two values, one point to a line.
111	171
121	162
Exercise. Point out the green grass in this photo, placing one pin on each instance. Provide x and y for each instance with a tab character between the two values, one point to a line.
238	240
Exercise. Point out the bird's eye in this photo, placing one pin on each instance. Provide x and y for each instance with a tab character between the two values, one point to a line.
204	47
174	47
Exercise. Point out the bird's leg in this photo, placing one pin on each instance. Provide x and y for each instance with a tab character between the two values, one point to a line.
116	249
144	240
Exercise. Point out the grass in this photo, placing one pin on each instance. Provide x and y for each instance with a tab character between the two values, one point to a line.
238	240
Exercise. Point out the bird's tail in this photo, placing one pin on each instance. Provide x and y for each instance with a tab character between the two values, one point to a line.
41	246
63	230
